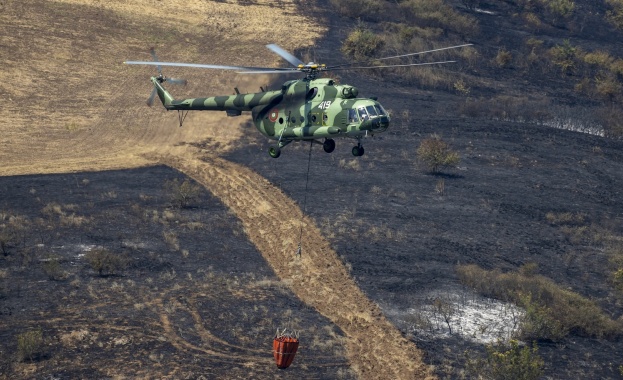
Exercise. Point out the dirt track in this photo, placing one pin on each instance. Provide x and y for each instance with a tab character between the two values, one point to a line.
272	221
72	107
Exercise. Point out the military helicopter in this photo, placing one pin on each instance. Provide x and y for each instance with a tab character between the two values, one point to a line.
307	109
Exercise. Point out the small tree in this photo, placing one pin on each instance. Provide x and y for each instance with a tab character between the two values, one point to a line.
105	262
435	154
183	193
30	345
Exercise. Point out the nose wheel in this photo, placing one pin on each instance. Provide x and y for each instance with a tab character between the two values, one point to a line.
358	150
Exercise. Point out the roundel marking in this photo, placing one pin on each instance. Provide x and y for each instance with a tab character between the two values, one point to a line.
274	114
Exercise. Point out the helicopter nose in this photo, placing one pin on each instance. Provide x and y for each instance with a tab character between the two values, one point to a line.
377	124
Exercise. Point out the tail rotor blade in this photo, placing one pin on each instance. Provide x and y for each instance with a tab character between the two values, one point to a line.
155	57
150	101
183	82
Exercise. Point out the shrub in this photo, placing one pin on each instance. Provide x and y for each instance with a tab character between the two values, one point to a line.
564	56
514	363
369	10
538	323
361	43
52	268
30	345
563	8
503	58
436	13
435	154
615	14
182	194
105	262
552	310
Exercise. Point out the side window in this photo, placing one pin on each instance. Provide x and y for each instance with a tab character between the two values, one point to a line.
352	116
363	115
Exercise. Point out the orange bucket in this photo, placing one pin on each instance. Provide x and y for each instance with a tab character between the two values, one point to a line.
284	350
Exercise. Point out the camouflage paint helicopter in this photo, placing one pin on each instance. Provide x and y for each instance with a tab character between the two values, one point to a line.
307	109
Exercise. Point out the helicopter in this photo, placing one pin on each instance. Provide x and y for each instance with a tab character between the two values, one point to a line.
307	109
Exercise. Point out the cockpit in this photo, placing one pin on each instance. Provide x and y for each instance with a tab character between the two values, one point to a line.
364	113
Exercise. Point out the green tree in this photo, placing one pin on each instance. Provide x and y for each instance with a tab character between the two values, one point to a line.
435	154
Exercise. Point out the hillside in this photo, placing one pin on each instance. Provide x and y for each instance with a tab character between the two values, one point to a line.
382	288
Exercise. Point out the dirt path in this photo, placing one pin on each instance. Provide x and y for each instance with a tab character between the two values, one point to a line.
272	220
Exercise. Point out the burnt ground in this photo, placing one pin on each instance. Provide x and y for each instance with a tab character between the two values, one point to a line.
196	298
402	231
403	237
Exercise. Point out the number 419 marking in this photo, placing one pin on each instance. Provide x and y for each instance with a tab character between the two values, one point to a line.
325	104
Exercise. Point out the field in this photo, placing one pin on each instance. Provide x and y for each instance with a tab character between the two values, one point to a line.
86	165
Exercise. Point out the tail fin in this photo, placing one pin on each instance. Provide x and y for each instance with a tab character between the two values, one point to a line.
163	94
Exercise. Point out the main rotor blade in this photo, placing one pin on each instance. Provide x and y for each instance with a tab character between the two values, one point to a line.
284	71
399	56
285	55
386	66
199	65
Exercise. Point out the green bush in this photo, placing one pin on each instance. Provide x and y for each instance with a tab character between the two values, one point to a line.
564	56
361	43
435	154
105	262
514	363
30	345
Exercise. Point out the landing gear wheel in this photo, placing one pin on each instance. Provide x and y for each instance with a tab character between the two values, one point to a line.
328	145
274	151
358	151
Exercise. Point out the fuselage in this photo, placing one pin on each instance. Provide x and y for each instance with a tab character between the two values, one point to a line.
304	109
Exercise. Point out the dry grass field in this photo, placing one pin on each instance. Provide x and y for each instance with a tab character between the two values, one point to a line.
70	106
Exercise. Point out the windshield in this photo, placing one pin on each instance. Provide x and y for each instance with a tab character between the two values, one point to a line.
371	111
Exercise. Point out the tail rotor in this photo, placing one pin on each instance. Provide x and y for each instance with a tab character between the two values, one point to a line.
161	78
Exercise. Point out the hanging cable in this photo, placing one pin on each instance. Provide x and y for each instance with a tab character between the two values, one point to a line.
298	252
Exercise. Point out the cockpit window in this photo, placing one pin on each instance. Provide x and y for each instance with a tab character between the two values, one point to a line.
352	116
371	111
379	110
363	114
